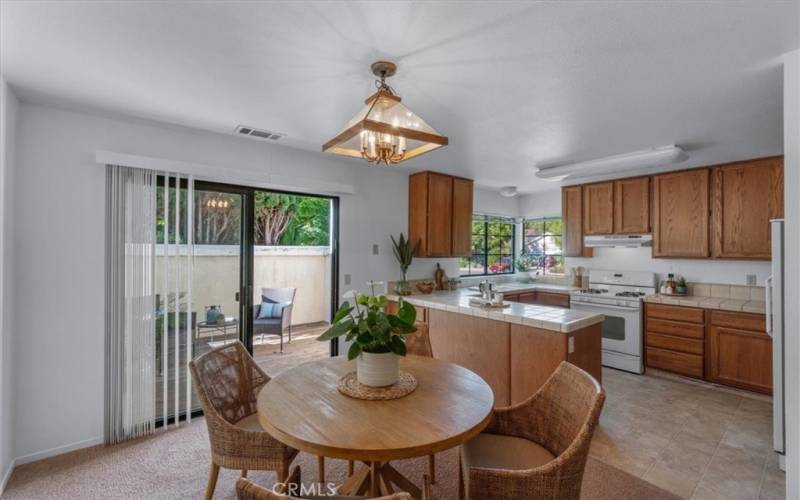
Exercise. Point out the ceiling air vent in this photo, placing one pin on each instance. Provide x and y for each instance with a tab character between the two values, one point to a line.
258	133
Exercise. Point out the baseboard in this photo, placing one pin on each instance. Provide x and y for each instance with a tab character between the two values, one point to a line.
7	475
41	455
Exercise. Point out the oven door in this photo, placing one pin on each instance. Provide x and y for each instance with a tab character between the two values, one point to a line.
621	330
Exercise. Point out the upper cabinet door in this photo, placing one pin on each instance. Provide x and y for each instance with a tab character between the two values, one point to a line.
598	208
462	217
681	213
745	196
572	220
440	214
632	206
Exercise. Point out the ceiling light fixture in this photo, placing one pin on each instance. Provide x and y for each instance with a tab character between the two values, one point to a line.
385	131
508	191
663	155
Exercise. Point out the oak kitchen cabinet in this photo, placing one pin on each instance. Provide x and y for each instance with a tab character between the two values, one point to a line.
681	214
440	214
726	347
744	197
632	206
675	339
739	351
722	211
598	208
572	220
539	297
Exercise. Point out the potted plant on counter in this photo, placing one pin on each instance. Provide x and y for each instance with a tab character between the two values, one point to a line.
377	338
404	253
528	263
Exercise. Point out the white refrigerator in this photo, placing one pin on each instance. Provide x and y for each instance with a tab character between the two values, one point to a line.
775	329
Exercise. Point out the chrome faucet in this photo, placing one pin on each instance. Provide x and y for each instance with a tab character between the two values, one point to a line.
486	288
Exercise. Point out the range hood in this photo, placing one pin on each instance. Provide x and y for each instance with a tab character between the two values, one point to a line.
618	240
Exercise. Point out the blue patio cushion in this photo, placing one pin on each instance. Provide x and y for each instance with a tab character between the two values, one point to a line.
271	310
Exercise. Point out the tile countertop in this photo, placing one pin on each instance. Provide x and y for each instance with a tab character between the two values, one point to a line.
556	319
725	303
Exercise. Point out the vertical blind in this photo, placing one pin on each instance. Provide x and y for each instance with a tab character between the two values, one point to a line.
148	309
130	303
176	249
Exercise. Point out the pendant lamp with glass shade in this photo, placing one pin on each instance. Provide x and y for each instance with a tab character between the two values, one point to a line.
385	130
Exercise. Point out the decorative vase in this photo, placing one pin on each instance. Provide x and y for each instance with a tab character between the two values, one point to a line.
377	369
402	288
533	275
212	315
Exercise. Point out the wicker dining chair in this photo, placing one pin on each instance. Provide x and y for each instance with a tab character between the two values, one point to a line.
247	490
537	448
227	380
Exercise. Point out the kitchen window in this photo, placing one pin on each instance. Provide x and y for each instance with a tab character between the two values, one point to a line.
541	244
492	247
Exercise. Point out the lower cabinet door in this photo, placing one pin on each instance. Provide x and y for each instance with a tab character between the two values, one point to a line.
552	299
740	358
690	365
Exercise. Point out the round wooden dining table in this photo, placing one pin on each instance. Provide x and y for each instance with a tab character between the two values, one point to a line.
303	408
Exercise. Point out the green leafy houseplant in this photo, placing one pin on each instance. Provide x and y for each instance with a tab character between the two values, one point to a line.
404	253
376	337
369	328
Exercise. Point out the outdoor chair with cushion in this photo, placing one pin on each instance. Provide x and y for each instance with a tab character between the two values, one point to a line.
273	316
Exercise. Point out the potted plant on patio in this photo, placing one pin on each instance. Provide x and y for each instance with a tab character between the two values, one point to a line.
377	337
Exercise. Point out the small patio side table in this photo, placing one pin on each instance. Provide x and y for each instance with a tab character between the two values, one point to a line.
219	328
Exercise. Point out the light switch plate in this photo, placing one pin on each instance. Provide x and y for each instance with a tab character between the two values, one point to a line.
375	249
346	279
751	279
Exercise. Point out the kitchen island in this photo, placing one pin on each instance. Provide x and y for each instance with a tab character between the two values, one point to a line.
515	349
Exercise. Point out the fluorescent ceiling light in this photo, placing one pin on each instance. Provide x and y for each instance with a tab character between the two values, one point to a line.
664	155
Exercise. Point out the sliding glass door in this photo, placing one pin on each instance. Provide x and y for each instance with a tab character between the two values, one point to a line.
239	264
201	284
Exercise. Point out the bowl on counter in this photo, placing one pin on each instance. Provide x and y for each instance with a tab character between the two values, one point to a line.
426	287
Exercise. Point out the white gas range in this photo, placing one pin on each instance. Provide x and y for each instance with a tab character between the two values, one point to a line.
618	295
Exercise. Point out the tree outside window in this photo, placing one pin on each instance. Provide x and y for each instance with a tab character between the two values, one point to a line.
542	244
492	247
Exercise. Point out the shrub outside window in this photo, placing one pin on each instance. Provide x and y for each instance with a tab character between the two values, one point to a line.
542	244
492	247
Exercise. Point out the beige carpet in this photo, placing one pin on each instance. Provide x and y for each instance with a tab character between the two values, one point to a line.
174	464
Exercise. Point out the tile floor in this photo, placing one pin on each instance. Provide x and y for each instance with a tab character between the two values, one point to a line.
696	440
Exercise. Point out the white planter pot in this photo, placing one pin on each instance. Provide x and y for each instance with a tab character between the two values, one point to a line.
377	370
534	275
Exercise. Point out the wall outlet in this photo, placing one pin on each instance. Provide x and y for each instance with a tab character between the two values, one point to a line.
751	279
346	279
375	249
570	345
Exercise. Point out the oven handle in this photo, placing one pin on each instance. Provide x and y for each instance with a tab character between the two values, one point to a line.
577	305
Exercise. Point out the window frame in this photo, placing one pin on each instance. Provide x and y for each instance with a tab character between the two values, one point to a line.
543	236
486	220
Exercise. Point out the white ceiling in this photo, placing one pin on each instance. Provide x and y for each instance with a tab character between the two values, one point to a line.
512	84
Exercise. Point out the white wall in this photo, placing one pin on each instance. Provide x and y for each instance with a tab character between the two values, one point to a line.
639	259
59	243
791	151
8	127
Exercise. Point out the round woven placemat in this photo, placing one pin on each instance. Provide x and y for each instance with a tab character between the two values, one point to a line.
349	386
